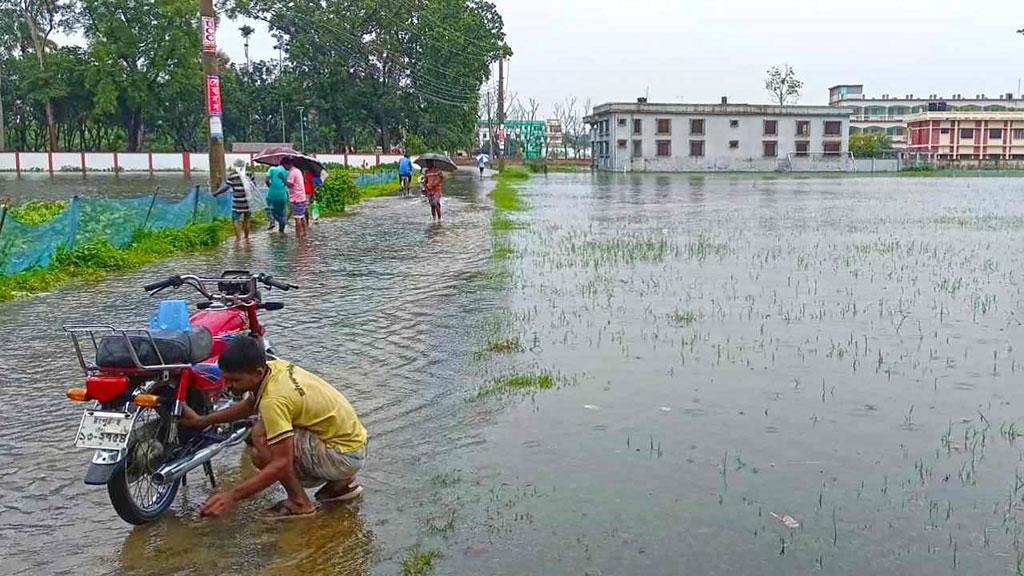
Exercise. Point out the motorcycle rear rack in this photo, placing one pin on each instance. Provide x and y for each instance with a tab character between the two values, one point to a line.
77	330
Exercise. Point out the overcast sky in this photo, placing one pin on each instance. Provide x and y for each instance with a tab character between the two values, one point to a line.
679	50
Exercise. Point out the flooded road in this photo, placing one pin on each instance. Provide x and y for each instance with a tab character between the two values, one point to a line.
751	376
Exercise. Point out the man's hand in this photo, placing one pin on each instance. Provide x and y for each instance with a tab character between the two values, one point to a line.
189	419
218	506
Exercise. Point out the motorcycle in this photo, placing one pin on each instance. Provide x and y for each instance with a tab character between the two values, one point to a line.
139	380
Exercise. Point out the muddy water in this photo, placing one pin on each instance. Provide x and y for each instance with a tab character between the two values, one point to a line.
385	312
729	353
64	186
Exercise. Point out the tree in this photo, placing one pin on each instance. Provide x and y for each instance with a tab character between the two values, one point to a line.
148	69
246	31
869	144
40	19
783	84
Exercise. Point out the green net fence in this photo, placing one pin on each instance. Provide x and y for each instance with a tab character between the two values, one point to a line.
114	220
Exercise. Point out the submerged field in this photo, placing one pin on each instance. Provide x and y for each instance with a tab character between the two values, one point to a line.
769	376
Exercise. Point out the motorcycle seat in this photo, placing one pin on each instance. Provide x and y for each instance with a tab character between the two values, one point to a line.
174	346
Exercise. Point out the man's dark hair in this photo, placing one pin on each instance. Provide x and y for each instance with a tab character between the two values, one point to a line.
406	154
243	354
287	161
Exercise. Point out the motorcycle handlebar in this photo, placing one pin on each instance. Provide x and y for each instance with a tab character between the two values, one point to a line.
269	281
161	284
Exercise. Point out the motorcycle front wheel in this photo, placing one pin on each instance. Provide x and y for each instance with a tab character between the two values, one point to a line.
133	493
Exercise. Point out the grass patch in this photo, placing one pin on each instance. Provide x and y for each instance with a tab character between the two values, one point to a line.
514	173
94	260
374	190
419	561
518	383
506	196
37	211
505	346
683	317
621	250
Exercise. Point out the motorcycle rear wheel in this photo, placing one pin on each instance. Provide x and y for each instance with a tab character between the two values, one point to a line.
133	493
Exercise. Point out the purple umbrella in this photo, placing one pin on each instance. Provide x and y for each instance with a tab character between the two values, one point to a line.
273	155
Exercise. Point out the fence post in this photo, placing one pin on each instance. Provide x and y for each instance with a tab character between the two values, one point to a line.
3	216
150	211
186	162
346	157
49	162
17	163
195	203
150	158
82	156
116	167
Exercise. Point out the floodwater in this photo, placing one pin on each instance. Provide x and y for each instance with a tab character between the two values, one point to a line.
753	375
35	186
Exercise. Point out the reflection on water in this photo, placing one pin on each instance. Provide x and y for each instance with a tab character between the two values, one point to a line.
63	186
386	309
728	351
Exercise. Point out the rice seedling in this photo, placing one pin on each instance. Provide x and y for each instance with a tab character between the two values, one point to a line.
418	561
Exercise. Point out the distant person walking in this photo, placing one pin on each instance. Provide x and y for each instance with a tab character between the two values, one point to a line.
277	197
296	184
405	173
241	208
433	186
482	160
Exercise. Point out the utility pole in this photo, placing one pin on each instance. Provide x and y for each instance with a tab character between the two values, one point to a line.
302	128
3	134
501	99
280	69
490	128
214	103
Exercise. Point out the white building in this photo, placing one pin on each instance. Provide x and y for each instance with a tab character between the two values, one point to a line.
660	137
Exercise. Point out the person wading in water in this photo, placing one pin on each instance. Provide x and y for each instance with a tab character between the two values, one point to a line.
433	185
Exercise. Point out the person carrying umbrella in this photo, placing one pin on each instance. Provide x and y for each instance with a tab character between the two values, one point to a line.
432	179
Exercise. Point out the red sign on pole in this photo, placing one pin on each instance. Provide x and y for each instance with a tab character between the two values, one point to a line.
214	106
209	34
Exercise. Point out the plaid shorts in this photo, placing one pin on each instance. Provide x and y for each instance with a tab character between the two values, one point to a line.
318	463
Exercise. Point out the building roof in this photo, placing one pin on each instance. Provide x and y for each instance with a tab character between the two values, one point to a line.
965	116
717	109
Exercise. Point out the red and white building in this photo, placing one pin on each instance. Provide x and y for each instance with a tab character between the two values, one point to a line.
967	135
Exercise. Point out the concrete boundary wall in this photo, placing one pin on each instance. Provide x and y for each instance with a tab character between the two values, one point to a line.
185	162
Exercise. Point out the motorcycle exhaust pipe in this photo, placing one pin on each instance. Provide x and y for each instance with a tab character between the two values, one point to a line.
172	471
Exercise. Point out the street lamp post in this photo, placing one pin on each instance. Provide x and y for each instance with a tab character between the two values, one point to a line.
302	128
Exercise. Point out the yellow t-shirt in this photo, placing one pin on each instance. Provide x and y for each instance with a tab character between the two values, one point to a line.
291	397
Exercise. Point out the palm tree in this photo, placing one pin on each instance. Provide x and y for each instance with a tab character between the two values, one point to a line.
246	31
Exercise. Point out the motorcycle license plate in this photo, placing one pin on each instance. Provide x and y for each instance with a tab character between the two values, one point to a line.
104	430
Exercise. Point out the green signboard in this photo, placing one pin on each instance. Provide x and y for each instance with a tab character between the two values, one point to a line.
525	138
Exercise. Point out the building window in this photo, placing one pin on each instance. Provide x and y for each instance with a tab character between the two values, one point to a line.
734	123
802	147
638	126
622	121
803	128
771	147
833	128
638	148
943	130
1018	133
664	148
832	147
734	144
967	133
697	127
664	125
696	148
622	143
995	134
771	127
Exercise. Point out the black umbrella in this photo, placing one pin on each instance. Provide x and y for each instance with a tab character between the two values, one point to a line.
441	160
274	154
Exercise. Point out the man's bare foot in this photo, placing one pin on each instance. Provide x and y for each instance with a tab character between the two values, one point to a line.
288	509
